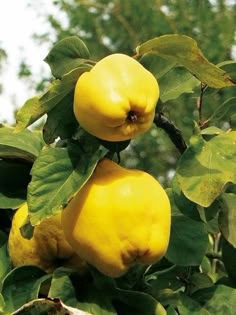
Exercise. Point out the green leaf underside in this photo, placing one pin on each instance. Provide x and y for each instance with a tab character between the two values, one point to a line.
35	107
176	82
4	258
57	175
24	145
66	55
184	51
206	166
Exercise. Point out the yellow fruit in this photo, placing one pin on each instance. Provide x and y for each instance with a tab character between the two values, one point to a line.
119	218
116	100
47	248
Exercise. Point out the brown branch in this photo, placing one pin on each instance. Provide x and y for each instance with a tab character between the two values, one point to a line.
173	132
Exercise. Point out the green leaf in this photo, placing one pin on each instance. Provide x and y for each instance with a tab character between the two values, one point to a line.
199	281
227	108
14	179
139	303
5	264
66	55
227	217
186	206
176	82
188	241
157	65
206	166
188	238
17	287
190	306
35	108
57	174
62	287
61	121
183	50
229	259
218	299
24	145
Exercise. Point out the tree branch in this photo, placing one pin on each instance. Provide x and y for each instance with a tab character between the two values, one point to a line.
173	132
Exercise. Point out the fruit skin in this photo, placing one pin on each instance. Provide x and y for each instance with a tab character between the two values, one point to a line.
119	218
116	99
47	248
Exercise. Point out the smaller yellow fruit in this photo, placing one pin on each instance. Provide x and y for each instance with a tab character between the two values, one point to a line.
47	248
116	99
119	218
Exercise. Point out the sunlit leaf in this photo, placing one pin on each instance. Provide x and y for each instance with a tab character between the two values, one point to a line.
66	55
56	175
35	108
206	166
184	51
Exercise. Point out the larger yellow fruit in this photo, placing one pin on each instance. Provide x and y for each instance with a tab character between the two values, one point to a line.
47	248
119	218
116	100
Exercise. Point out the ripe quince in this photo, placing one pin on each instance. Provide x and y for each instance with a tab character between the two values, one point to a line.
119	218
47	248
116	99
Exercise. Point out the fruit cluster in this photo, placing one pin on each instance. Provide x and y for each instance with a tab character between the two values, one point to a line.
120	217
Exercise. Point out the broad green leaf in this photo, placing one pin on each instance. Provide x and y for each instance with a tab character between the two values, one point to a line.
184	50
218	299
190	306
61	121
24	145
206	166
62	287
229	259
176	82
66	55
227	108
227	217
188	238
57	174
184	205
35	108
157	65
17	287
199	281
5	265
171	311
14	179
138	303
188	241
